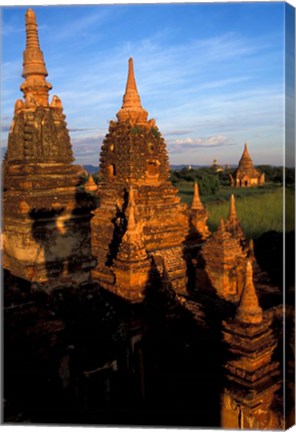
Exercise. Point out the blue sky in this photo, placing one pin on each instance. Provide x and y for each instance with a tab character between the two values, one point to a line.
211	74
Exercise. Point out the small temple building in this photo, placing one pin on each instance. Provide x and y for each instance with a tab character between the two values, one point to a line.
120	305
246	175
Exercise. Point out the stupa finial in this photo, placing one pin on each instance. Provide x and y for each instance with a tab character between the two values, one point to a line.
249	311
221	227
131	107
35	87
232	210
196	202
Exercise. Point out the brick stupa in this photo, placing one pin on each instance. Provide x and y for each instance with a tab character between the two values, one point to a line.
251	373
134	154
246	175
46	218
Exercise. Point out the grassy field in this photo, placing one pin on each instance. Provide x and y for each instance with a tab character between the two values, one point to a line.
259	209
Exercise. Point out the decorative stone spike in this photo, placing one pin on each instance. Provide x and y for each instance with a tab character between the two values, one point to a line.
132	264
232	223
198	220
196	202
251	252
232	211
249	311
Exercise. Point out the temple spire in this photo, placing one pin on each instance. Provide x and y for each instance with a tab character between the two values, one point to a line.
131	96
246	160
221	227
131	108
232	210
35	87
196	202
249	311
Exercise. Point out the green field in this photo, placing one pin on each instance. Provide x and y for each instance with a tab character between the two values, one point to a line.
259	209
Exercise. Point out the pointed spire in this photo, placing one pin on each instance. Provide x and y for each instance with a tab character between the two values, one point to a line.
196	202
249	311
251	252
221	227
131	107
232	223
132	244
35	87
131	96
232	210
246	160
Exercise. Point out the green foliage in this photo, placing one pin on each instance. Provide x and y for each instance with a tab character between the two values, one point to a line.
259	209
136	130
155	132
257	213
208	181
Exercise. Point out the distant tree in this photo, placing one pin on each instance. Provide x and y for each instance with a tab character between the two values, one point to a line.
207	179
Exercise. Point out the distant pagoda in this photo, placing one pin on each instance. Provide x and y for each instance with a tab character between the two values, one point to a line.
46	217
246	175
134	158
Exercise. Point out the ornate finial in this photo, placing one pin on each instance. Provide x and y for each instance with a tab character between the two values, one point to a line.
249	311
131	91
132	245
131	107
35	87
232	211
251	251
221	226
196	202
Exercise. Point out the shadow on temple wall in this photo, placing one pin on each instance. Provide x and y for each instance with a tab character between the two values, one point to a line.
120	224
185	356
64	239
37	321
